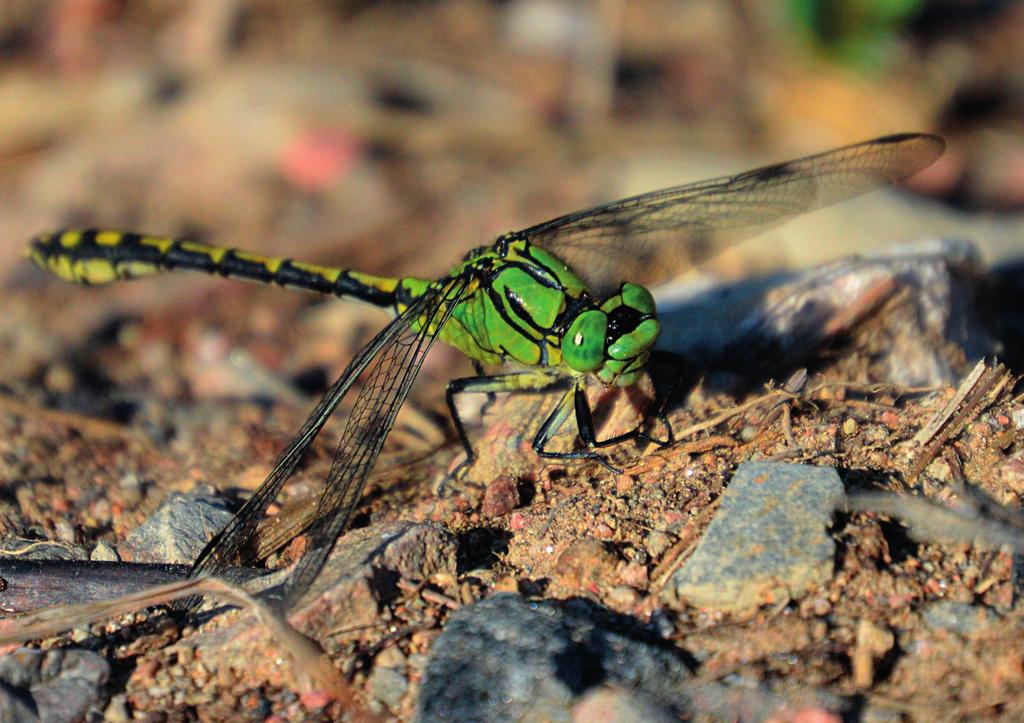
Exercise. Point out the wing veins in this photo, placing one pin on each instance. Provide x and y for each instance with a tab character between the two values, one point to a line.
627	235
234	544
395	369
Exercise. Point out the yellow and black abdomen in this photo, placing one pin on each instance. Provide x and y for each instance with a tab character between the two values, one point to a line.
99	257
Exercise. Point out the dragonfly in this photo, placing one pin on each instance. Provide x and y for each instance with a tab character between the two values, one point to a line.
566	302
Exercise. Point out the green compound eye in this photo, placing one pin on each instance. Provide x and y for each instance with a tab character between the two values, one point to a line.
636	342
583	343
630	296
637	297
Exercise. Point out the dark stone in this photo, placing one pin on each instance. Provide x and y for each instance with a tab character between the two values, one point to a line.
508	658
960	618
179	529
55	685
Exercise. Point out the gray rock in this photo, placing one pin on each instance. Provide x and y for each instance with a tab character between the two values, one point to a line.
508	658
16	704
362	574
960	618
55	685
768	540
22	668
619	706
179	529
360	579
758	703
388	686
104	552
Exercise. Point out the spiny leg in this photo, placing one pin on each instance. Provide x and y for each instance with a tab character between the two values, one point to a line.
664	400
567	405
535	381
575	401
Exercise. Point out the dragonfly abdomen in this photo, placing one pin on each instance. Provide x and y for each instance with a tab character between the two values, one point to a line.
93	257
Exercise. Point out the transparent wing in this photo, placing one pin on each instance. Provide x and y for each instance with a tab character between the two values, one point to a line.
651	237
391	374
391	362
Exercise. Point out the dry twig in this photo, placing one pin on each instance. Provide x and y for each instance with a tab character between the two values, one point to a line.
977	391
309	659
88	426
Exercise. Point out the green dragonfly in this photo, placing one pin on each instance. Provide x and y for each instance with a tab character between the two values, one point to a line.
551	299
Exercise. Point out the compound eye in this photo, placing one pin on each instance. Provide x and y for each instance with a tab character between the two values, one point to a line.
637	297
584	342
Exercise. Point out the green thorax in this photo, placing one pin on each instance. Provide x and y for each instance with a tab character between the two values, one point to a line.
521	303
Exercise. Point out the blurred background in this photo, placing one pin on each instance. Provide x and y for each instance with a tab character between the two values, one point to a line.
394	136
307	126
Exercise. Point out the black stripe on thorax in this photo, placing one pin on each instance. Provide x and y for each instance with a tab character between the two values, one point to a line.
536	274
499	307
528	253
521	313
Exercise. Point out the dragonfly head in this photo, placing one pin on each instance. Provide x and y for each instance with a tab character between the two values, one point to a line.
614	339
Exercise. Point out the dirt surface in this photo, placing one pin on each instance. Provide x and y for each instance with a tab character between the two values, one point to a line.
393	137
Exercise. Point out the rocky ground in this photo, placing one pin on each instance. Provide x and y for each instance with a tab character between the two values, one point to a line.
767	565
834	532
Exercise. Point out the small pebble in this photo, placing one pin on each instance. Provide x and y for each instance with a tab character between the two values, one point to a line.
104	552
388	686
185	655
390	657
584	564
620	706
117	710
961	618
890	420
500	497
622	597
656	543
315	699
64	531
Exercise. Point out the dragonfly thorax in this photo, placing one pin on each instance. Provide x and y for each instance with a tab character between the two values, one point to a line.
613	340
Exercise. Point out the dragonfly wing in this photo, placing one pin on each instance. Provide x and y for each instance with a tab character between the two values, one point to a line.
654	236
391	359
390	375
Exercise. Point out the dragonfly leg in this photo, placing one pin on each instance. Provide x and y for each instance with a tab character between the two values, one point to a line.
489	385
679	368
575	400
479	369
